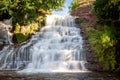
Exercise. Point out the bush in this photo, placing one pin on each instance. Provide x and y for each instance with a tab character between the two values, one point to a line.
103	43
108	12
22	33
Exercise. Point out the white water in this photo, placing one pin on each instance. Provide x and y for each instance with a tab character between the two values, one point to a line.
56	48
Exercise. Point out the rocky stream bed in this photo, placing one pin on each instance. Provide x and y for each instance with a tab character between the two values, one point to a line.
12	75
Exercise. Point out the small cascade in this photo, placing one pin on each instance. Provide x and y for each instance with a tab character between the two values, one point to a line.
56	48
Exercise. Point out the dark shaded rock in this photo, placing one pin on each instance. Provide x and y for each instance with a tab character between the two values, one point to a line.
12	75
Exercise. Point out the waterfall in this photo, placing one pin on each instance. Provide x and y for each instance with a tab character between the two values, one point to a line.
56	48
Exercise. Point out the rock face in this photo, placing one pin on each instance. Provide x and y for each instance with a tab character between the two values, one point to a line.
5	34
87	17
85	14
92	61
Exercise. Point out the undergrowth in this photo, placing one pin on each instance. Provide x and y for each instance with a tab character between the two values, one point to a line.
22	33
103	43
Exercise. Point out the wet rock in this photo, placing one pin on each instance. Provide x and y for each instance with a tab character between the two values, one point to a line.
5	34
11	75
94	66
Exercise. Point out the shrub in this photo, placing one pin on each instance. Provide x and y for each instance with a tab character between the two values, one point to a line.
103	43
22	33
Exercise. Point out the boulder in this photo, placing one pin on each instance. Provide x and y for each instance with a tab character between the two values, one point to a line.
5	34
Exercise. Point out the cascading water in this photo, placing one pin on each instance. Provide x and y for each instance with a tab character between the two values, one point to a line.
56	48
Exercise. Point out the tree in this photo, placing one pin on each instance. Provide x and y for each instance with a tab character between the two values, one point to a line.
25	11
5	8
107	9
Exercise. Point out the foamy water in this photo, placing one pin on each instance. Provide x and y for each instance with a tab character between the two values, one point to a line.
56	48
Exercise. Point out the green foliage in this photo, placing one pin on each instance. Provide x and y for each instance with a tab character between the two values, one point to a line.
107	10
18	35
103	43
24	32
29	10
74	6
26	11
108	41
6	6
